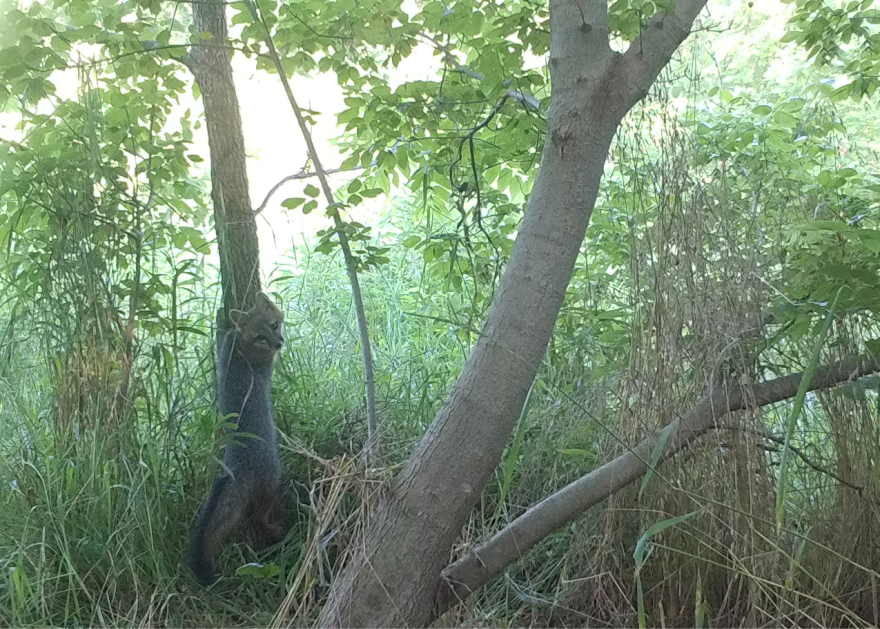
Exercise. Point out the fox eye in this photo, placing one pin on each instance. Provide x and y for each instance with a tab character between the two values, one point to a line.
275	326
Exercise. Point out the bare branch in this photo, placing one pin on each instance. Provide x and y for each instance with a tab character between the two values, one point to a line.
481	565
803	457
278	185
372	446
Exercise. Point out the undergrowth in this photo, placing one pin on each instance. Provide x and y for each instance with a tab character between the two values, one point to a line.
107	448
98	496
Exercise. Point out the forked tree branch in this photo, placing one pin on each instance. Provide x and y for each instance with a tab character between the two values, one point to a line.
480	565
808	461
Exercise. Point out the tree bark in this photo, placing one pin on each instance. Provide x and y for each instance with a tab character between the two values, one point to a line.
234	220
482	564
393	576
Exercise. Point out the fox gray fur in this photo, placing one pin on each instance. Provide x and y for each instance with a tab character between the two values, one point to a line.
245	497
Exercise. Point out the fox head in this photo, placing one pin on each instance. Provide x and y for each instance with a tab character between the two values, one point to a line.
259	331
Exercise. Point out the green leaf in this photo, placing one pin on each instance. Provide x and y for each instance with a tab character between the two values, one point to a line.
258	570
640	557
578	452
782	478
656	529
311	191
292	203
785	118
656	453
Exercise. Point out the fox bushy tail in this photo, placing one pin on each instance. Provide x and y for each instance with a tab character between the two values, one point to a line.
220	515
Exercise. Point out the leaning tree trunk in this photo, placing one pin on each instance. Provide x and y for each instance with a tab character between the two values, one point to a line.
394	574
234	219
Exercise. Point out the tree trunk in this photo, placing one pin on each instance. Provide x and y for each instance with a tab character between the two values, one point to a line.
394	574
234	219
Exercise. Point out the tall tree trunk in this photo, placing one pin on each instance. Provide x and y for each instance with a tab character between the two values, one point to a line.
234	219
394	574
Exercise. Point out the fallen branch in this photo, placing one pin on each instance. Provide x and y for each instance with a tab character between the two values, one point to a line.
480	565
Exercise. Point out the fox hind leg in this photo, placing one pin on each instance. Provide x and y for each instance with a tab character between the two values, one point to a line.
268	522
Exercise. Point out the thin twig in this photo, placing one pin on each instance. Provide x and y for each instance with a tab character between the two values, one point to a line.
278	185
372	446
801	455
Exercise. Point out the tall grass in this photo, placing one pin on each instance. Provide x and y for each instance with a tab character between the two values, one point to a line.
98	501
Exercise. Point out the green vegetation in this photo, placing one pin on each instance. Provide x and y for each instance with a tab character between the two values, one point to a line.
740	201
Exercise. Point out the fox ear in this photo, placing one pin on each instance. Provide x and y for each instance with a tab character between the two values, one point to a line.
238	318
265	304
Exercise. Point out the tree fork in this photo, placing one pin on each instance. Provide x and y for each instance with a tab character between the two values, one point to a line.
394	572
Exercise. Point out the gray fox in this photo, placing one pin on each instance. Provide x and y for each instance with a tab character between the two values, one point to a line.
245	497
